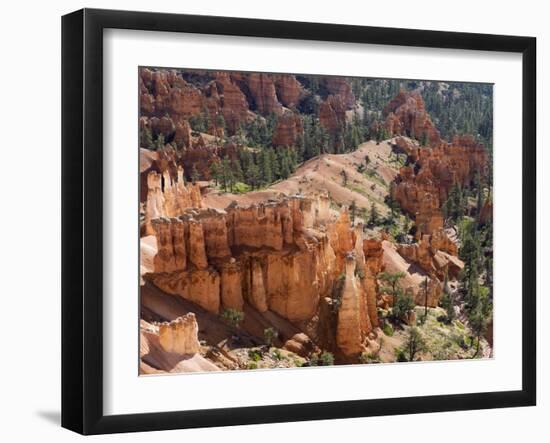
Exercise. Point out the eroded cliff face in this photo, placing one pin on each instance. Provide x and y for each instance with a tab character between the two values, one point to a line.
348	337
180	336
406	115
168	197
282	256
289	128
340	86
267	255
422	187
332	113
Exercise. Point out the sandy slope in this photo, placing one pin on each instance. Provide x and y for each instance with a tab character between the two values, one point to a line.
325	173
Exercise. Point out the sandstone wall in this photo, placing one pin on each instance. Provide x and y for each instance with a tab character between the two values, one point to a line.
180	336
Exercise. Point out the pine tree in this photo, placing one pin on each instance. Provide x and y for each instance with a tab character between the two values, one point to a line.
215	171
227	175
447	300
344	175
373	217
274	163
265	167
146	138
237	171
159	142
252	175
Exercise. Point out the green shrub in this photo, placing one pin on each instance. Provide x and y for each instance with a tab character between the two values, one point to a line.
367	357
255	355
233	317
241	188
314	359
252	365
403	305
388	329
326	359
270	334
400	355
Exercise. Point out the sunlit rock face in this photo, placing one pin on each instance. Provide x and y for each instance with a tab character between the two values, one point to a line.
180	336
282	256
406	115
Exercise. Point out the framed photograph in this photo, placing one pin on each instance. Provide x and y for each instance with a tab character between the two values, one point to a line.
269	221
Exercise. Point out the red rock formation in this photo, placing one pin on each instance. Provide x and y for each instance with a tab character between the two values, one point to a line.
283	256
436	254
180	336
182	135
234	105
262	88
341	87
373	252
422	188
289	128
406	115
167	197
289	90
231	287
201	287
332	114
348	336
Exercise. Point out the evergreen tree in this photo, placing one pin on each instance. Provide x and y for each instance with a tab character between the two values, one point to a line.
146	138
447	300
415	343
373	217
344	175
237	171
227	178
392	278
159	142
215	171
266	167
252	176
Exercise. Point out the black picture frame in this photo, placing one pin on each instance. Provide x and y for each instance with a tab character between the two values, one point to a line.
82	218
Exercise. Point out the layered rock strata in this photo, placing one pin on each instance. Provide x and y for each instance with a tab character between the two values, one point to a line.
283	256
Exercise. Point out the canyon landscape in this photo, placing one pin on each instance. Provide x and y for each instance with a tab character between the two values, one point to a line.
293	221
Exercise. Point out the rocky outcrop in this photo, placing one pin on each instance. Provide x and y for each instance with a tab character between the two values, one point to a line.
283	256
406	115
289	90
289	128
332	114
180	336
422	187
231	291
169	198
263	254
340	86
374	264
436	254
262	88
232	101
348	336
